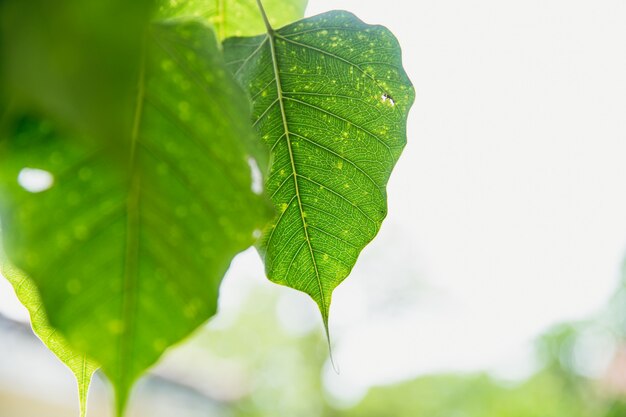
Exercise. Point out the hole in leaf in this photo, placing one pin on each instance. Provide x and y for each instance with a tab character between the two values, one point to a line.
257	178
384	97
35	180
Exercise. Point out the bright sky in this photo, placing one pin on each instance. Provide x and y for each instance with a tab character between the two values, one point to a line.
509	202
508	207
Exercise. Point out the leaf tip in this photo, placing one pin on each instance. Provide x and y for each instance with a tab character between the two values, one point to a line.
334	364
121	401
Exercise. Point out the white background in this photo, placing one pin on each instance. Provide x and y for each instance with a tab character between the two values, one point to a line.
508	206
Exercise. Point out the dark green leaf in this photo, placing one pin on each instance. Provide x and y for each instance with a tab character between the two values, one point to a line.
74	60
128	253
331	100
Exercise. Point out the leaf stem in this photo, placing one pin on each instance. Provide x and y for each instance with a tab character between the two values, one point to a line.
221	9
268	26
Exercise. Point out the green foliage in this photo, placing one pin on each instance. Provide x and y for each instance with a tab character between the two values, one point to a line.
155	172
543	395
128	251
64	58
82	367
236	17
279	372
331	100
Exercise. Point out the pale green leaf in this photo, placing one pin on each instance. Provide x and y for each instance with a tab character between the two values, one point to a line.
331	100
26	291
236	17
128	253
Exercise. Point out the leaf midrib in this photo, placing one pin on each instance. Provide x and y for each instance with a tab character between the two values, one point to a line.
83	387
132	235
279	91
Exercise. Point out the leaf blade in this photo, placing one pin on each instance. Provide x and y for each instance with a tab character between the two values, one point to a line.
236	17
26	291
331	100
120	244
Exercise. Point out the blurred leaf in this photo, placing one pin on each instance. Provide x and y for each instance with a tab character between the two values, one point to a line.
476	395
331	99
237	17
128	254
617	409
79	364
75	60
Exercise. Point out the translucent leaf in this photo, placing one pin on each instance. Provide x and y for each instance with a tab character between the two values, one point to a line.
331	100
128	251
236	17
79	364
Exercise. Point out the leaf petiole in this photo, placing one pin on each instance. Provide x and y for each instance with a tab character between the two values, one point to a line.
268	26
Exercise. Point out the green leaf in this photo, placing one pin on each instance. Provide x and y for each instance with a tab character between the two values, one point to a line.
128	252
236	17
75	60
79	364
331	100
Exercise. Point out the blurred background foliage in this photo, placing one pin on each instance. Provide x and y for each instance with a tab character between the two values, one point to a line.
247	363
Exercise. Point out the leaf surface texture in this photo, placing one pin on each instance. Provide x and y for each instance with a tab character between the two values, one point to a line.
330	99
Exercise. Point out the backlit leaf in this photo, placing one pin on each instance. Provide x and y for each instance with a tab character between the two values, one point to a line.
331	100
79	364
236	17
128	252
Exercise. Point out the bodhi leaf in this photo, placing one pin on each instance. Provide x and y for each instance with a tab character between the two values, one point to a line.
331	100
236	17
78	363
128	253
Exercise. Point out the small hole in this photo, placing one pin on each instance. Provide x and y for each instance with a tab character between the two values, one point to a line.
257	178
35	180
384	97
